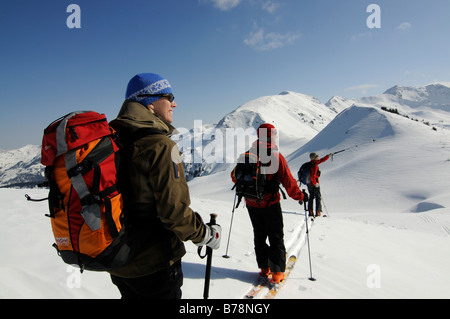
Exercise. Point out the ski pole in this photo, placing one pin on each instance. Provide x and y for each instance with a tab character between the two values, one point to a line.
350	148
209	253
231	225
323	202
307	237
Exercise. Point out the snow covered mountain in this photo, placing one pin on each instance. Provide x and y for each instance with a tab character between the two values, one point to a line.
428	104
403	145
210	148
296	116
435	96
396	157
21	167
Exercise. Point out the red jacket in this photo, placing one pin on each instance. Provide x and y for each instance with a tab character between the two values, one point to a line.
315	169
284	177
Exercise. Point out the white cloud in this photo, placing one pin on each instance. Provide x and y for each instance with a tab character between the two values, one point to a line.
404	26
268	41
225	5
270	6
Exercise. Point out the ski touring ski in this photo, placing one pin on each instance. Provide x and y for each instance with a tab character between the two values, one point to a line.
275	288
257	287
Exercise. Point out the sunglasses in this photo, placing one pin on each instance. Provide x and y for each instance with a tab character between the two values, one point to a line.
169	96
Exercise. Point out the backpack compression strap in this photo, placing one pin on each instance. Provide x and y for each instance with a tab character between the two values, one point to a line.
91	211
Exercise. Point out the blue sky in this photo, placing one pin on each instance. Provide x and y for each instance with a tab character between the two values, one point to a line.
217	54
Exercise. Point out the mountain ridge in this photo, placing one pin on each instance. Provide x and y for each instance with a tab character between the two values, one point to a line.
298	118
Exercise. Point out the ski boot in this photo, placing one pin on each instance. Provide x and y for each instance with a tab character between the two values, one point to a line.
277	278
265	272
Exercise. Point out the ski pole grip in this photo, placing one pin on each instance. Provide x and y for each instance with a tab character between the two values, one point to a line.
213	219
304	201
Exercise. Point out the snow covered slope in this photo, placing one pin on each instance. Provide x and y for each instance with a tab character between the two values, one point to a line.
395	255
405	159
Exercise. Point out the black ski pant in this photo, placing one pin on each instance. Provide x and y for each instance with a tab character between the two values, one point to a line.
268	224
164	284
314	193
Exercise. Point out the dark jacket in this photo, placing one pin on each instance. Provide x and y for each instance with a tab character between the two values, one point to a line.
156	195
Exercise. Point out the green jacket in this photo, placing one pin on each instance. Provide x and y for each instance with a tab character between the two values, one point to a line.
155	192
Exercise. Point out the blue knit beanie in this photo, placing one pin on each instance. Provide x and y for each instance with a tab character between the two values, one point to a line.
147	83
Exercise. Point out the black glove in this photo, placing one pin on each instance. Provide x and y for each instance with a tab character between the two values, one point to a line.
305	196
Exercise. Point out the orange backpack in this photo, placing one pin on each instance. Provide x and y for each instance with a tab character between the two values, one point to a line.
81	155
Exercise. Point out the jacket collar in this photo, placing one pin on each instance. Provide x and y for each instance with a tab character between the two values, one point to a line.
134	116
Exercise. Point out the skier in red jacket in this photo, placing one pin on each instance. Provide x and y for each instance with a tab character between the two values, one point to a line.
266	214
314	185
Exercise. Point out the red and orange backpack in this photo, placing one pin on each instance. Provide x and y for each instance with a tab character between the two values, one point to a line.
81	155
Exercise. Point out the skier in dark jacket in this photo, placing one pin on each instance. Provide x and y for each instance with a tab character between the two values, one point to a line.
155	192
314	185
266	214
